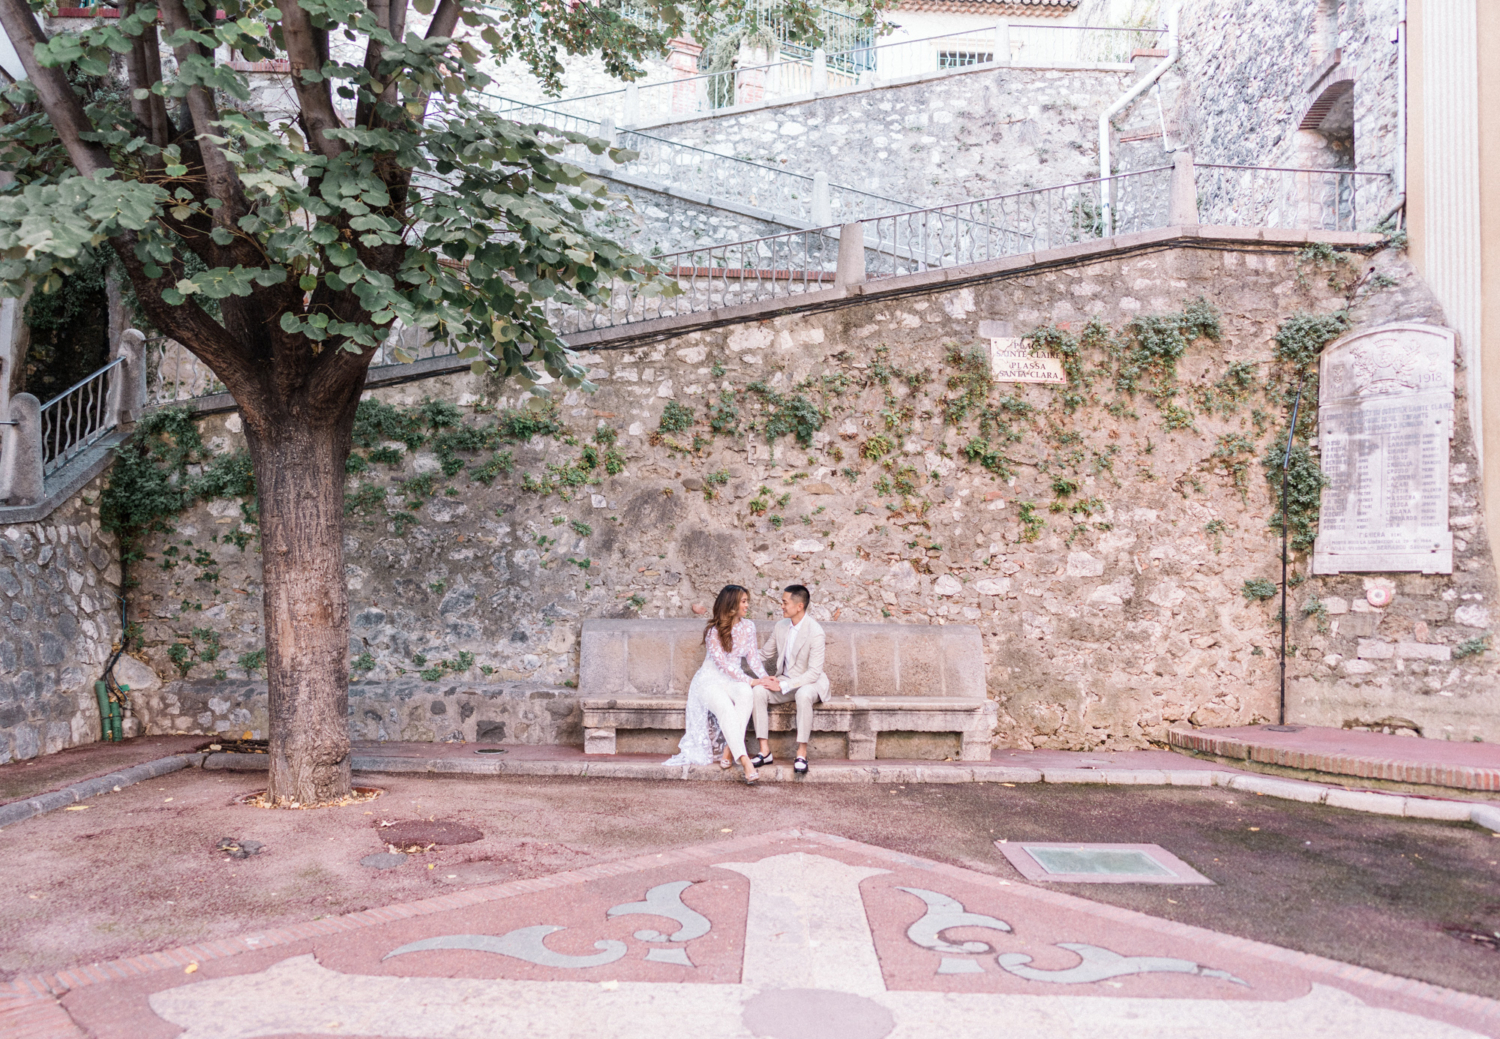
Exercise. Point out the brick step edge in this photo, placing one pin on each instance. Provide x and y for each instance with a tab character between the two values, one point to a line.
1484	815
1476	778
26	808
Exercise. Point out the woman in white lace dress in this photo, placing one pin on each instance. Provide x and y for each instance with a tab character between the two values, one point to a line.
721	688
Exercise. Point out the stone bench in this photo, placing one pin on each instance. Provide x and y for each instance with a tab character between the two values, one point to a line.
899	691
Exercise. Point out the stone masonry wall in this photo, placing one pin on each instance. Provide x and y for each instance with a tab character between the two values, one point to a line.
937	141
1101	539
1246	90
59	616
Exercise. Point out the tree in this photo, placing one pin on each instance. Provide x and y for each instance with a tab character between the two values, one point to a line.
281	252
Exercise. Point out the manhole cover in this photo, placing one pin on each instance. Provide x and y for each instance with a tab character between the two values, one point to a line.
422	832
1099	863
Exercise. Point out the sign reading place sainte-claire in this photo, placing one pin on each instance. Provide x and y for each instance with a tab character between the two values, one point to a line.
1013	359
1385	418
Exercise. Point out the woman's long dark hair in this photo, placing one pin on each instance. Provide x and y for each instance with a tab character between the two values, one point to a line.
724	619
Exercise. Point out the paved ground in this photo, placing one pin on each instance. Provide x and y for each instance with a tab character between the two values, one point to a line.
20	779
782	934
134	872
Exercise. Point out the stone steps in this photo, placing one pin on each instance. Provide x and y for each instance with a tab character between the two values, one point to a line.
1376	759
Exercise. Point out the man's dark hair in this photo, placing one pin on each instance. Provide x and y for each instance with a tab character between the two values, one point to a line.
800	591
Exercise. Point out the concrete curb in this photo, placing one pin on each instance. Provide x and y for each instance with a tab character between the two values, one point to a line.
16	811
1487	816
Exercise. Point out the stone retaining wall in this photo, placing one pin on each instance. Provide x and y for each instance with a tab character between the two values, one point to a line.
59	615
1102	553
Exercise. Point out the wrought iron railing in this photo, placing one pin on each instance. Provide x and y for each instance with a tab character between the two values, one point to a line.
709	174
777	266
174	373
1015	223
77	417
805	72
1282	197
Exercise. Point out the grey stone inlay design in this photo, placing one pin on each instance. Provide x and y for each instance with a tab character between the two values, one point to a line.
677	956
942	913
1098	964
1110	861
524	943
666	900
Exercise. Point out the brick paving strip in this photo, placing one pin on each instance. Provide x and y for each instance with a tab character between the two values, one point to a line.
29	1007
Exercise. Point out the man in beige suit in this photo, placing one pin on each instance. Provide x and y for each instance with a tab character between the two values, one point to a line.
794	656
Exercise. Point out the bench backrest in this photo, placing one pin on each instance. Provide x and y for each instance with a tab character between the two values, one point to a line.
646	658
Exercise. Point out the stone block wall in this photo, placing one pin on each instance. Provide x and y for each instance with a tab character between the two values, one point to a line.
1100	540
59	617
1244	91
940	140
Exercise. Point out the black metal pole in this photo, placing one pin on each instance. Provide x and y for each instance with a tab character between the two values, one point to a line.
1286	464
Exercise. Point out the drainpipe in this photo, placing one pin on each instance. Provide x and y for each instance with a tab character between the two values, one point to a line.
1115	109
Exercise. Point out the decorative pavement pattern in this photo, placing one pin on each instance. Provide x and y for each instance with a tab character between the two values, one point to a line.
784	936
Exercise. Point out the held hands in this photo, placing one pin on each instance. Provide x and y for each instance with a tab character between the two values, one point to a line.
770	683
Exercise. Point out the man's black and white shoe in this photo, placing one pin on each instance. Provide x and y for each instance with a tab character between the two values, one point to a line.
760	760
800	766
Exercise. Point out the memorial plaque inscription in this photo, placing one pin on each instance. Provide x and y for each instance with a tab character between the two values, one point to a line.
1385	419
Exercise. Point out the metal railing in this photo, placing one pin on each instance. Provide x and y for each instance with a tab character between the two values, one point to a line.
1024	45
1015	223
1284	197
709	174
777	266
77	417
788	265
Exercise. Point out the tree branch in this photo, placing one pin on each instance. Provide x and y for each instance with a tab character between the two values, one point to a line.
313	98
63	107
143	70
223	182
444	19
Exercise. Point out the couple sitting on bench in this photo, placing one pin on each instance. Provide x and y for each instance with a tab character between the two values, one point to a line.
723	698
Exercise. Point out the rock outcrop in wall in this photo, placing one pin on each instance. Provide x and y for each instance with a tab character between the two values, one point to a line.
1109	536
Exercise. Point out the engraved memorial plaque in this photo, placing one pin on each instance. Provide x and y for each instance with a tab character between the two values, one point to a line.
1385	419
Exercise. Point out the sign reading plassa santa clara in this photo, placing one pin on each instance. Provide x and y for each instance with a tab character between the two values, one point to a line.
1016	360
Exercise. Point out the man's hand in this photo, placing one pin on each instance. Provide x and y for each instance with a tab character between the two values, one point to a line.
772	684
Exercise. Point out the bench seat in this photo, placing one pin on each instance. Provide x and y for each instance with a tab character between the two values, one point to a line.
886	678
862	718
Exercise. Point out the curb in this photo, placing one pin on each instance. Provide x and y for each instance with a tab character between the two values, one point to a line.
1409	807
41	804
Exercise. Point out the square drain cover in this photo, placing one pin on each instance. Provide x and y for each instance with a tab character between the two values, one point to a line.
1099	863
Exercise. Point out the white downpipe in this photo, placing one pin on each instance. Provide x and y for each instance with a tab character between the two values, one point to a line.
1124	99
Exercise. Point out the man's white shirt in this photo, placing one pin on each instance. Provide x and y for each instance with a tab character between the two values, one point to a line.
791	642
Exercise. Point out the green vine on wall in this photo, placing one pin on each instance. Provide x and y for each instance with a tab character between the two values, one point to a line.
153	479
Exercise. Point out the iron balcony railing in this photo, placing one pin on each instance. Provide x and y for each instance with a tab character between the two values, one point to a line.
1284	197
77	417
866	64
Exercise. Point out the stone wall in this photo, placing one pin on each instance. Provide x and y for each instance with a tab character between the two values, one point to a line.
1100	539
1246	91
940	140
59	616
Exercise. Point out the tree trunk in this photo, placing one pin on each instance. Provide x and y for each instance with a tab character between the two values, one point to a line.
299	473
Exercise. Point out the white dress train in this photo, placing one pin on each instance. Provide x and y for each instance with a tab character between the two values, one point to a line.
720	693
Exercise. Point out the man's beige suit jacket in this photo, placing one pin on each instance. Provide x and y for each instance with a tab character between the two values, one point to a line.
806	665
